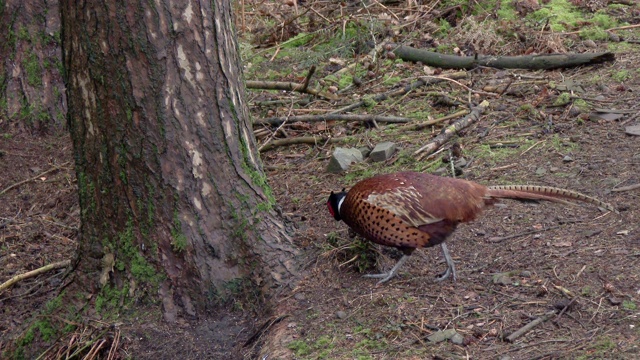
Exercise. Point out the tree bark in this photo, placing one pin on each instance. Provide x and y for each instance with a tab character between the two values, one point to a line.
173	196
32	93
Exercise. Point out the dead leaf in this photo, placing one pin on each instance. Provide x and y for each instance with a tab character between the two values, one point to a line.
108	261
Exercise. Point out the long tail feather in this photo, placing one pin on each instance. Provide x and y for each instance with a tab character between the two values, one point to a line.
534	192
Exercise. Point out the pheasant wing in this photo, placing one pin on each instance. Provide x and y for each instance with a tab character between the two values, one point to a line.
406	203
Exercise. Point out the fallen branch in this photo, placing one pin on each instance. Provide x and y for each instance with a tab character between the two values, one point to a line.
34	178
33	273
525	329
313	140
331	117
532	62
427	123
449	131
627	188
289	86
416	84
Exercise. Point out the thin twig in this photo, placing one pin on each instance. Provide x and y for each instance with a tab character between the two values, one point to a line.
333	117
423	125
422	81
627	188
508	237
33	273
565	308
525	329
35	177
312	140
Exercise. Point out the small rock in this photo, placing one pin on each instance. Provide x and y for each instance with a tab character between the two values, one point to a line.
574	111
613	36
341	314
541	171
632	130
457	339
564	303
525	273
365	151
589	43
567	158
614	301
383	151
342	158
440	336
502	279
462	162
554	169
441	171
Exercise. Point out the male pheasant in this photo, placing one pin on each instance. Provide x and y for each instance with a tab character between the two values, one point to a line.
410	210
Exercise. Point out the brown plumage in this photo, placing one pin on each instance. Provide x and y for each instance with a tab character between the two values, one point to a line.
410	210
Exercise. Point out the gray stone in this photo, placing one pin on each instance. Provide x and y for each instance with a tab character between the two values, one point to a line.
341	314
383	151
633	130
502	279
440	336
342	158
567	158
541	171
525	273
440	171
365	151
460	163
457	339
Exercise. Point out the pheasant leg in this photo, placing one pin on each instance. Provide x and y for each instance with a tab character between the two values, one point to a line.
451	266
388	275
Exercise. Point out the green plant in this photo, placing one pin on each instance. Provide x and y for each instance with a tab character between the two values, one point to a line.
629	305
178	238
299	347
621	75
562	99
33	70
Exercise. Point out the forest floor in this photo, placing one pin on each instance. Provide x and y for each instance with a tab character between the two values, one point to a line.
578	267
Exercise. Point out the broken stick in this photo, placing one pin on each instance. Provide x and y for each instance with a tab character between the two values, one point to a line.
33	273
525	329
449	131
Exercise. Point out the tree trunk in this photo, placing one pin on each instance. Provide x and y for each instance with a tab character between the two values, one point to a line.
174	200
32	94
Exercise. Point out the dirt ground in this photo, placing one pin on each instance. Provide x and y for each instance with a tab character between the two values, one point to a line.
516	263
